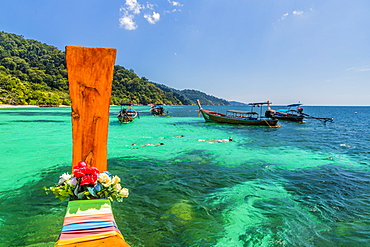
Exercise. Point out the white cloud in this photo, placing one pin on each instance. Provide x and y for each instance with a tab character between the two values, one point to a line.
174	3
150	6
133	8
127	22
152	19
359	69
297	12
284	16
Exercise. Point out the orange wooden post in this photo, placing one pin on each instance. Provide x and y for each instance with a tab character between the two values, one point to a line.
90	75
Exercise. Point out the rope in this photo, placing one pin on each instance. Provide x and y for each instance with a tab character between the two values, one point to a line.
267	123
270	125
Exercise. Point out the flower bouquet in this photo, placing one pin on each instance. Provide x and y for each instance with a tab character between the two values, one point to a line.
88	183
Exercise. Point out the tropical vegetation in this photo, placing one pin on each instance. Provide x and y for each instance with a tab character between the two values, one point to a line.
34	73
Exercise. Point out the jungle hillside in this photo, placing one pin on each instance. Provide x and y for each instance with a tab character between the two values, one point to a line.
34	73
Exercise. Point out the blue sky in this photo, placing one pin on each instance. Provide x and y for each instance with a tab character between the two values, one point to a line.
313	51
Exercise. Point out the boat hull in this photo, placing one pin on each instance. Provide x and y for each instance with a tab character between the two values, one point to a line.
299	119
125	119
285	116
210	116
126	116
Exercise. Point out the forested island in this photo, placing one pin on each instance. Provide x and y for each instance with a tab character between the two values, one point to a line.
34	73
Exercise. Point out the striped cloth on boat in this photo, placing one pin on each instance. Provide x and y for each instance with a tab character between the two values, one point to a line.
89	220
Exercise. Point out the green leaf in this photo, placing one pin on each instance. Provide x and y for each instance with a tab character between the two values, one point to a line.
92	191
81	195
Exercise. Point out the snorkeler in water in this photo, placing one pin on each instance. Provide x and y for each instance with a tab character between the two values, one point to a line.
222	140
172	137
147	145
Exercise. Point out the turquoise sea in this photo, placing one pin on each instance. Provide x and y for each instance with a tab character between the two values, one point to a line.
298	185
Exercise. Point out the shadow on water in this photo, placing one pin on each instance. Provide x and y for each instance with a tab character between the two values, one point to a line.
166	204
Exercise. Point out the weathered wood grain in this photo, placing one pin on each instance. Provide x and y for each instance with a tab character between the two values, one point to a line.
90	75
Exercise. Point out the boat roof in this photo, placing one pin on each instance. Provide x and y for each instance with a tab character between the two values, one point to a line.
294	105
282	110
242	112
260	103
126	104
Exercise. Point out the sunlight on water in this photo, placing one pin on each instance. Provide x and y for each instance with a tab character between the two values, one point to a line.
263	213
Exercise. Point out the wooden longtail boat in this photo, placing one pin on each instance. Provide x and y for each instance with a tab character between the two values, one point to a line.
126	114
90	223
238	117
289	114
295	115
157	109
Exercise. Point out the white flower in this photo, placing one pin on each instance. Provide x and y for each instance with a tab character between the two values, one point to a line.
116	180
64	178
104	179
117	187
124	192
72	181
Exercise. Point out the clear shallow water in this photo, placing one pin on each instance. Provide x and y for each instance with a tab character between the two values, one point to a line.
297	185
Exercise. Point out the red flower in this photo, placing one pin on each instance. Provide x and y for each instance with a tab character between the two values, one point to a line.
77	173
82	164
87	179
88	175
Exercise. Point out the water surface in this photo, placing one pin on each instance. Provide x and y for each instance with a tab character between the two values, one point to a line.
297	185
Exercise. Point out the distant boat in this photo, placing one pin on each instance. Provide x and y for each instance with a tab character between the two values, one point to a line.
157	109
296	114
238	117
126	114
48	105
293	113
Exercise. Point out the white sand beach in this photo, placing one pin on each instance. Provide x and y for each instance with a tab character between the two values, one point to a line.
17	106
24	106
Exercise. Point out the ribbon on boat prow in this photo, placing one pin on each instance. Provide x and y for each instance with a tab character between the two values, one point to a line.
90	223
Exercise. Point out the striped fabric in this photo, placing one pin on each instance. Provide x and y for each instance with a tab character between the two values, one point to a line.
89	220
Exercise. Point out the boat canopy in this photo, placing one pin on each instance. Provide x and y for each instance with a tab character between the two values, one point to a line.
128	104
282	110
294	105
243	112
260	103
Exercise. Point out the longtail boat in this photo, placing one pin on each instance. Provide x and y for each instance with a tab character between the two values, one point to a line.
126	114
238	117
296	114
90	223
293	113
157	109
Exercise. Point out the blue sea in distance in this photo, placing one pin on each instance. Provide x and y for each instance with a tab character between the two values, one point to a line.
302	184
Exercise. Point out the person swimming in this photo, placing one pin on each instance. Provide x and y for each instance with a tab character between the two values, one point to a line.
172	137
147	145
222	140
225	140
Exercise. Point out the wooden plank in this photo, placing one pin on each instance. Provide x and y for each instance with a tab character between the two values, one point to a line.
90	75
